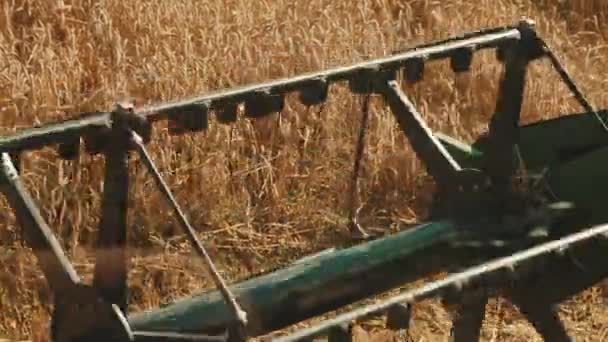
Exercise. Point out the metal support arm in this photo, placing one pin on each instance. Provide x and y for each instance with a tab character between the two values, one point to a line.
111	266
440	164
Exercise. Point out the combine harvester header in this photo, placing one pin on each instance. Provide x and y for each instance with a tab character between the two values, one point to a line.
497	232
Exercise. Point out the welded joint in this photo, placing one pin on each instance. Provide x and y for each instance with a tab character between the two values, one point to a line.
99	140
529	47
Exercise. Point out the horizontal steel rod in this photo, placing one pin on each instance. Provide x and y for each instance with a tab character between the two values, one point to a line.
155	336
36	138
457	280
285	85
54	133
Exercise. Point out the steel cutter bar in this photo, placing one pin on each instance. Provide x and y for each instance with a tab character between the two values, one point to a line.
502	269
156	336
65	131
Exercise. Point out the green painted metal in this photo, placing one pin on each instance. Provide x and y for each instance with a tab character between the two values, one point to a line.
583	181
571	151
569	146
466	155
553	141
311	286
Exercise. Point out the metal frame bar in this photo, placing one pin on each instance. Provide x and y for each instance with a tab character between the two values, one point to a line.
440	164
500	160
54	133
59	272
72	298
110	274
497	271
111	269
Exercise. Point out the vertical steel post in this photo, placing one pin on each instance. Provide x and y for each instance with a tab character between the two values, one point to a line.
110	277
500	160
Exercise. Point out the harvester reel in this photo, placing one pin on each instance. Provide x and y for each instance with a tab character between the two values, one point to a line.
493	233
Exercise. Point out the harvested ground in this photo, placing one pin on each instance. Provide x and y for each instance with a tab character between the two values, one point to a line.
261	193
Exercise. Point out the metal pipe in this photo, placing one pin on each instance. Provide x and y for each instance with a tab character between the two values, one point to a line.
36	138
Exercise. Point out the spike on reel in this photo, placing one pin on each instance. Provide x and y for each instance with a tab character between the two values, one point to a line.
341	333
190	118
226	113
314	92
95	142
262	103
399	316
414	70
371	80
69	150
461	59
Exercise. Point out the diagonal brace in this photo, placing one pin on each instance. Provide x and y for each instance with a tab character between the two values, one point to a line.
55	265
238	330
439	163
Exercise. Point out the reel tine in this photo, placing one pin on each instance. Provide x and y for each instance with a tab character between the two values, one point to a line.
361	83
95	142
468	321
414	70
341	333
399	316
461	59
191	118
227	112
69	150
314	93
264	103
544	318
371	80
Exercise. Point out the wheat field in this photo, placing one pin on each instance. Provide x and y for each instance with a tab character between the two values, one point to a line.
261	193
